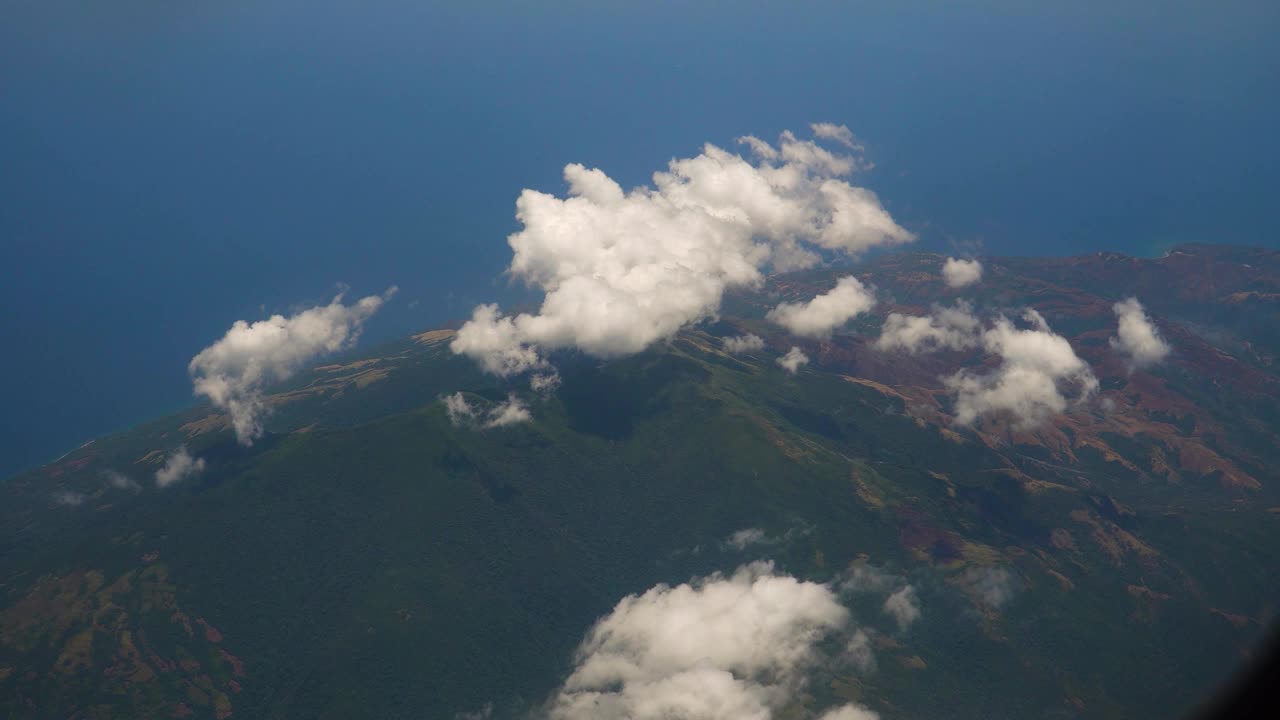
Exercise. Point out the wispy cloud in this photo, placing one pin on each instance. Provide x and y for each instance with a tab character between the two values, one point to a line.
991	588
839	133
69	497
903	606
900	599
178	466
464	414
755	537
742	539
460	411
119	480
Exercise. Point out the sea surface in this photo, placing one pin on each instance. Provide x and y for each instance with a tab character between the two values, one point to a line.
169	168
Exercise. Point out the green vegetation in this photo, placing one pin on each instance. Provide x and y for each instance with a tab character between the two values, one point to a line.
369	559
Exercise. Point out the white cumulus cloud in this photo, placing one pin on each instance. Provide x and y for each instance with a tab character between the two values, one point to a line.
718	648
792	361
1137	338
178	466
1038	367
744	344
233	371
621	270
953	328
961	273
824	313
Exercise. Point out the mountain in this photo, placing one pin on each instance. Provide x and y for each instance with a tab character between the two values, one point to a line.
373	556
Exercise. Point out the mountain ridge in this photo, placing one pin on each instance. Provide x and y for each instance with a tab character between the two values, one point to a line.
368	557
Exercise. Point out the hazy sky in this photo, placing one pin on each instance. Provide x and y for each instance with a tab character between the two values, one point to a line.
168	168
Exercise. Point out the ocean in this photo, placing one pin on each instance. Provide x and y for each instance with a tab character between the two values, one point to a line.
167	169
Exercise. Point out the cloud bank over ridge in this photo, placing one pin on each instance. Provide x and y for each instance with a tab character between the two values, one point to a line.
621	270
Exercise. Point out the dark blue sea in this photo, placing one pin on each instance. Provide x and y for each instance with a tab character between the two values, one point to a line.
169	167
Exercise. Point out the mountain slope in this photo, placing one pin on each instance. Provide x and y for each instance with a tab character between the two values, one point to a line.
370	558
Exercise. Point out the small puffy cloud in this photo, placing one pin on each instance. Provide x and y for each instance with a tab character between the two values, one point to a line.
621	270
179	466
990	587
70	498
1137	338
1037	367
682	651
792	361
507	413
119	480
823	314
463	414
952	328
961	273
744	344
903	606
233	371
